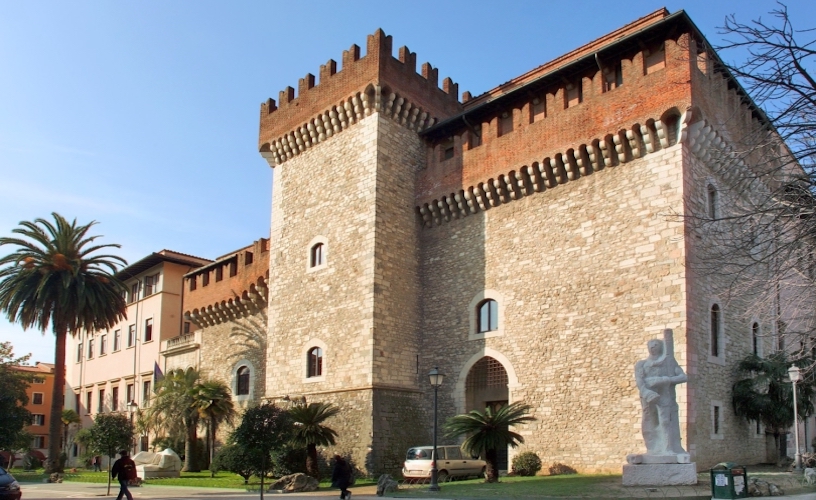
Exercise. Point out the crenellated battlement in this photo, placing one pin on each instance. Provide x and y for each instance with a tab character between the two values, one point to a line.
337	92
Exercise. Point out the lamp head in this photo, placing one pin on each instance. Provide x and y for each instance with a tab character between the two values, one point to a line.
794	373
436	377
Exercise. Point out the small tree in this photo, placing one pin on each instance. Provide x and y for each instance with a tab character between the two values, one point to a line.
13	398
489	431
263	429
310	432
765	395
69	418
233	459
110	433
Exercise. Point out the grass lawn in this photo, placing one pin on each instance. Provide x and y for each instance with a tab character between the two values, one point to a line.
194	479
582	486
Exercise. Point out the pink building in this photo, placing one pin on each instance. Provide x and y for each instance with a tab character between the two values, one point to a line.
115	370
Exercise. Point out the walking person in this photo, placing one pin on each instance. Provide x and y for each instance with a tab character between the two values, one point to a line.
124	469
97	466
341	477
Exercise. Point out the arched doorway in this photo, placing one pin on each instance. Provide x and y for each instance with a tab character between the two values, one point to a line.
486	386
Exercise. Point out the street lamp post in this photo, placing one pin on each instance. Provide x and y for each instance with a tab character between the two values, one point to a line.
132	407
436	380
795	376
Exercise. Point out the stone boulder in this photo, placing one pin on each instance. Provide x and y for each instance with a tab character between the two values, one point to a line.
56	477
386	484
295	483
760	488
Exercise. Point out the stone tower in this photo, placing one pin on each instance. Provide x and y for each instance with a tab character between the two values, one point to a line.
344	278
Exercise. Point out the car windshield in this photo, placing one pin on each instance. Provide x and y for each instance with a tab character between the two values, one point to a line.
418	454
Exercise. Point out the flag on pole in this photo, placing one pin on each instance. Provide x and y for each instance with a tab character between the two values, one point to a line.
158	376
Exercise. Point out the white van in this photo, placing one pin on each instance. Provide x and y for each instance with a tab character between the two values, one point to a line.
453	462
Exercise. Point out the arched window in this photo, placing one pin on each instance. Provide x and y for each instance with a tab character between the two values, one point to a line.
242	388
316	256
712	202
315	360
488	316
715	330
755	338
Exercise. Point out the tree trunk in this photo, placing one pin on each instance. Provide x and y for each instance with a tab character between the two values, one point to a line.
492	473
311	461
55	420
190	461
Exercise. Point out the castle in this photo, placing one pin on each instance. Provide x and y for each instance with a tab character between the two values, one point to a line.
525	241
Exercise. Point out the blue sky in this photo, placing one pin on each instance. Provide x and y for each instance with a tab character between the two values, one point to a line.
144	115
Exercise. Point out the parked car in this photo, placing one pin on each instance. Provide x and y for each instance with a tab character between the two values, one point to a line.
453	462
9	487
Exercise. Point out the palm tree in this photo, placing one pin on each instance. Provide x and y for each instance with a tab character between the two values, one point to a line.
310	431
69	417
764	393
52	278
213	400
489	431
173	411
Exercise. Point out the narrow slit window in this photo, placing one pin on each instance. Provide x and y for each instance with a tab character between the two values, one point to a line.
713	201
242	388
755	338
715	330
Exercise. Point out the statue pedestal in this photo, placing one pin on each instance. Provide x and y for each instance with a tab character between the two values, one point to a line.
659	474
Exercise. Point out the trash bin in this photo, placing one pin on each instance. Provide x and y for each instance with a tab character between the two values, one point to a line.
729	480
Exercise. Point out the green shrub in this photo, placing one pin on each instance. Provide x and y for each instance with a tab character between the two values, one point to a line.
558	469
526	464
30	462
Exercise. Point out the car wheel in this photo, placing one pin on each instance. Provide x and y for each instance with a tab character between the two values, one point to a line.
442	476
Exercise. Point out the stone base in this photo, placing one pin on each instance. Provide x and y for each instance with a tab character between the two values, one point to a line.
659	474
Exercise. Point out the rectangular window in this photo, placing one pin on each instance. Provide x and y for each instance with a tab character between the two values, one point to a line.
205	278
131	335
613	77
573	94
79	352
38	380
192	283
90	348
654	58
146	391
103	344
115	399
130	394
101	406
505	123
143	442
77	403
446	149
151	285
219	273
539	109
38	419
134	292
186	327
148	330
233	267
475	136
88	402
38	442
117	340
37	398
248	258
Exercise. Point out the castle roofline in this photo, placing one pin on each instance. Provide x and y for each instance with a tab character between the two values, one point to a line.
630	37
157	258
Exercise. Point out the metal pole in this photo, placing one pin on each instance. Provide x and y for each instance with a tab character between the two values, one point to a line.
798	459
434	469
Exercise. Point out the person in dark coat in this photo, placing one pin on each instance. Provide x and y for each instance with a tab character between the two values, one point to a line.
341	477
125	470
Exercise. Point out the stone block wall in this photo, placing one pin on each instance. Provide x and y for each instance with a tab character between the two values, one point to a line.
585	274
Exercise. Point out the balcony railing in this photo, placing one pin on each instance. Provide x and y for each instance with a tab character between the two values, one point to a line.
180	342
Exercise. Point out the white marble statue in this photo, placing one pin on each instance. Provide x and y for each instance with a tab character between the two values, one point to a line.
656	378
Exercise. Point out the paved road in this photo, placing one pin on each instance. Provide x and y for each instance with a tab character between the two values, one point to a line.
46	491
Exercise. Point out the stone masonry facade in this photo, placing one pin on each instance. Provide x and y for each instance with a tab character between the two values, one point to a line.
557	205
